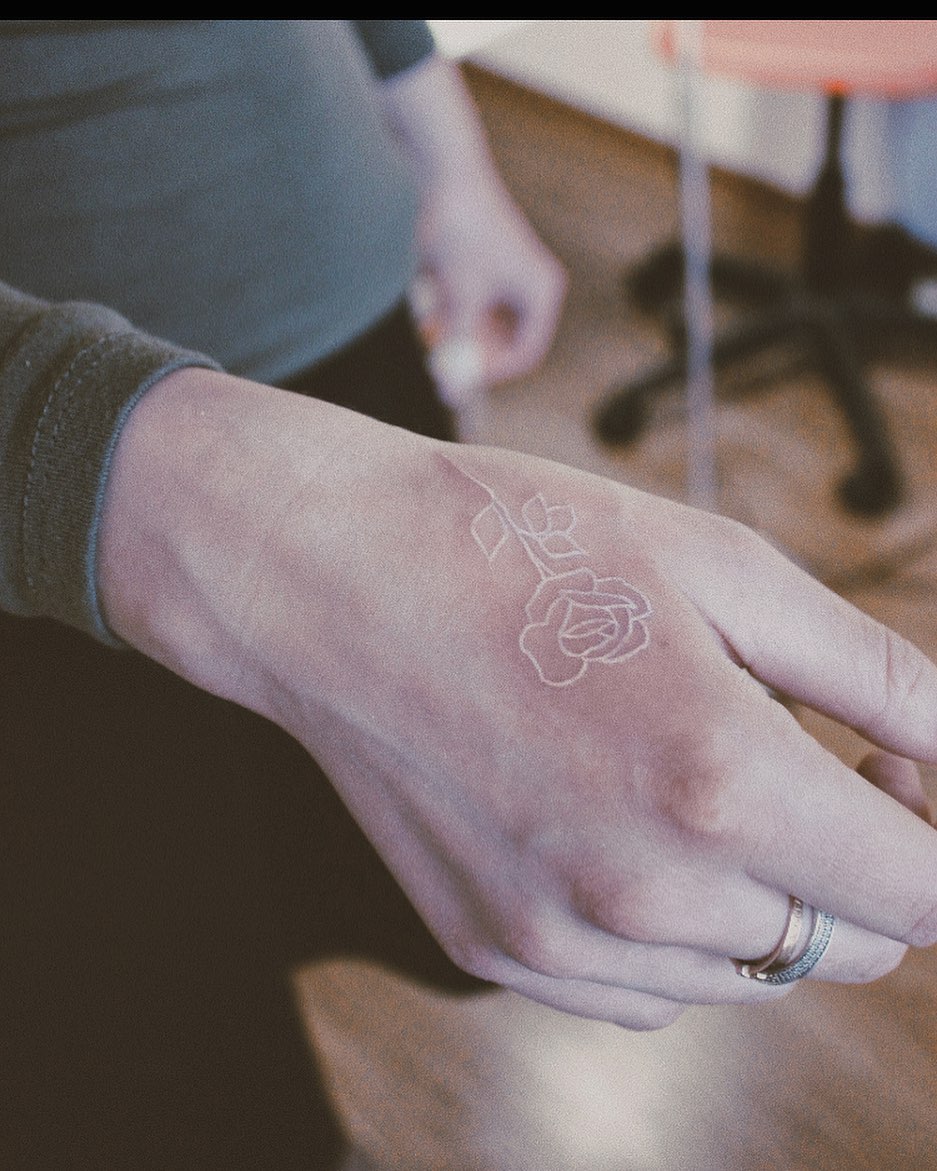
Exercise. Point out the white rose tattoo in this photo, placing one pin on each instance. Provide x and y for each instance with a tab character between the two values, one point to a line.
575	618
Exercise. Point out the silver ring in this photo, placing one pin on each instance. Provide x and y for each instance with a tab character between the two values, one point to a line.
819	941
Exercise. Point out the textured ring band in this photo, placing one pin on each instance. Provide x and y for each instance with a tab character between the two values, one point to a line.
819	941
782	955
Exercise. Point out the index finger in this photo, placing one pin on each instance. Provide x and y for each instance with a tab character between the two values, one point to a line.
800	638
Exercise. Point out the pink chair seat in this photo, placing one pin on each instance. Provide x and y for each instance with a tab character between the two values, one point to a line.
894	58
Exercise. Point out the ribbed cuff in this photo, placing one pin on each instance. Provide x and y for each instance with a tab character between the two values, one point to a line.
70	376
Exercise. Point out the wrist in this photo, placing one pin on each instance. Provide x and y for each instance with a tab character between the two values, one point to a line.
168	525
230	527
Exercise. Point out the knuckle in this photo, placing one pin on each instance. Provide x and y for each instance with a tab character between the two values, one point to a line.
536	944
478	960
904	672
628	908
923	932
651	1016
875	963
701	798
739	542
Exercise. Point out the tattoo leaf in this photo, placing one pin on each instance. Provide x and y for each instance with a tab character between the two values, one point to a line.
535	515
560	544
489	531
562	518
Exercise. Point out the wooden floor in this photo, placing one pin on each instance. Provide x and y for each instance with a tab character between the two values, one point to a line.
830	1078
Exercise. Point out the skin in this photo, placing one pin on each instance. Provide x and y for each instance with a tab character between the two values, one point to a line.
574	617
603	847
496	290
604	842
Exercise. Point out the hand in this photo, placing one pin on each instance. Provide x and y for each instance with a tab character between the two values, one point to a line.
540	694
494	289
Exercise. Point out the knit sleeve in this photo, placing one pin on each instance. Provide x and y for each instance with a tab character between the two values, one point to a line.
395	45
70	374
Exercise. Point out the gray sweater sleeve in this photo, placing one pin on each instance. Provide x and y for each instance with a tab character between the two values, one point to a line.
70	374
394	45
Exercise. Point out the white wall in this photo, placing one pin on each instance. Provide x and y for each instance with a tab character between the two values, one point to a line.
608	68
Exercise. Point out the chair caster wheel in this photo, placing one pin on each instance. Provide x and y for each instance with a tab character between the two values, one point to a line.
870	494
622	420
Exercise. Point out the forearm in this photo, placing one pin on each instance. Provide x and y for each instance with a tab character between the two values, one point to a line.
493	291
431	109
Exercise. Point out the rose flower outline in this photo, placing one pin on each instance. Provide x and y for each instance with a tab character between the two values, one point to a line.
578	618
574	617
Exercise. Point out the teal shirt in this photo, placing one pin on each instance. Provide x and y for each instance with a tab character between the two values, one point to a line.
227	185
228	188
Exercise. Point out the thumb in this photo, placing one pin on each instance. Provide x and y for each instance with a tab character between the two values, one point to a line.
449	333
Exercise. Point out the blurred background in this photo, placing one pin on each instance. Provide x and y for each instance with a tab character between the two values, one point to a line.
584	120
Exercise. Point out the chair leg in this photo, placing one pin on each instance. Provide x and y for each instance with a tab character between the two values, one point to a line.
623	415
874	486
811	311
658	281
